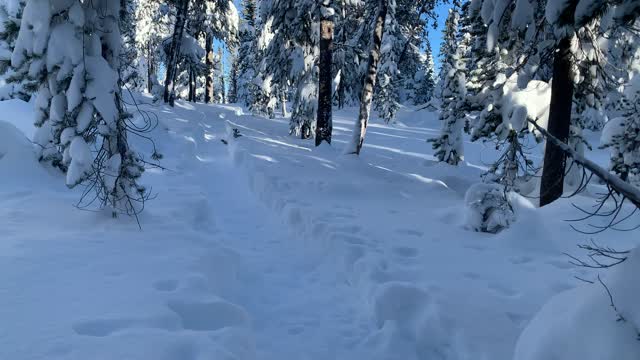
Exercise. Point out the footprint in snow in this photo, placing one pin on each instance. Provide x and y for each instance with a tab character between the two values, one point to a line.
517	260
405	251
410	232
106	327
208	315
166	285
503	290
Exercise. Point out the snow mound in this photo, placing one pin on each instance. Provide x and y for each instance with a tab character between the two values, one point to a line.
20	114
582	324
18	161
488	208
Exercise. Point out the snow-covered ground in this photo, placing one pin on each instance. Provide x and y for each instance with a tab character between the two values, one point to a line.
269	248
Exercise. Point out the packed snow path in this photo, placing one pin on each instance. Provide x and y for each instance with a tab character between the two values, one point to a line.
268	248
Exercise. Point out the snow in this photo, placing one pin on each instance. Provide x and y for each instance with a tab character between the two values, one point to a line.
521	105
582	324
269	248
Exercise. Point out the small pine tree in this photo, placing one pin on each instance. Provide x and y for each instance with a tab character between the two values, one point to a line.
449	147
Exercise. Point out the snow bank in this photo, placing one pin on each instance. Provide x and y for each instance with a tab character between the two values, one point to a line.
18	163
19	114
582	324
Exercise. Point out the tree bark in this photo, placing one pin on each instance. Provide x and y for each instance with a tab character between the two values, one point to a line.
174	52
192	84
283	101
208	92
369	82
150	69
324	122
223	93
552	181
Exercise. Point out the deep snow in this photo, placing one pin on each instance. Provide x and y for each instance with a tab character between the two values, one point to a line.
268	248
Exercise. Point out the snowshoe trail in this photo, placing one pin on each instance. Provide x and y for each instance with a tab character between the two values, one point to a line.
294	310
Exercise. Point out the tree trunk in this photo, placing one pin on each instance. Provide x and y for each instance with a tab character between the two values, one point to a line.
552	181
283	101
324	122
369	82
208	91
150	69
174	52
192	84
223	93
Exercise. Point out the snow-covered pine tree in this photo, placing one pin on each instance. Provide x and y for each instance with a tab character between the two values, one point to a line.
294	46
221	94
588	97
152	25
352	36
76	46
387	96
247	52
14	83
426	81
620	136
449	146
173	50
131	76
413	17
233	79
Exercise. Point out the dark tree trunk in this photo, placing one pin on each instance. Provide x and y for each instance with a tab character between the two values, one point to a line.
150	69
208	91
174	52
551	184
192	84
223	94
369	81
324	122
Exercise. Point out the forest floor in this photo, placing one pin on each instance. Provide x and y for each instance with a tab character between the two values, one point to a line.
269	248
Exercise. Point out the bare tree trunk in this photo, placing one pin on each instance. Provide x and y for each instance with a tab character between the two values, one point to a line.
552	181
174	52
324	122
208	92
369	82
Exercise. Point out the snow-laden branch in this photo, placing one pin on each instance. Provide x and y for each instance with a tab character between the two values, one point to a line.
627	190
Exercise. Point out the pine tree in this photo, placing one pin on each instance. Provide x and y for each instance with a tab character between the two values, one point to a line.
152	25
387	96
173	51
293	45
425	78
247	51
79	102
233	79
18	82
352	36
449	147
